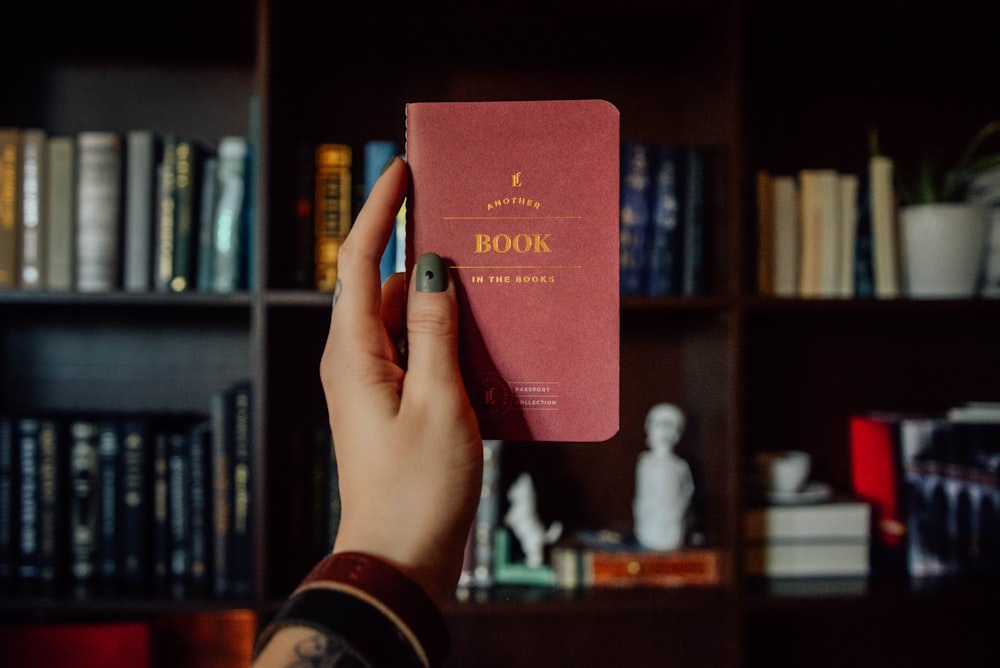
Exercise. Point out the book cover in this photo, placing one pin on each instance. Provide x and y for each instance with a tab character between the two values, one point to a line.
635	209
52	529
28	551
78	644
199	462
160	511
33	215
609	559
331	210
166	207
61	207
232	486
141	160
178	511
808	559
10	164
885	242
188	157
820	211
848	228
231	257
786	235
664	243
521	199
377	154
136	505
841	518
109	496
694	224
98	211
208	201
84	515
8	478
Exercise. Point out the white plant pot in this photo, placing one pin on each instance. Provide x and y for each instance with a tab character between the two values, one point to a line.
942	249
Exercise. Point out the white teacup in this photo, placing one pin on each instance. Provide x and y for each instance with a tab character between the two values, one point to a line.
783	471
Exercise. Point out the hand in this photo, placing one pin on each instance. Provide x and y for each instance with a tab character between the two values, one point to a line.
408	447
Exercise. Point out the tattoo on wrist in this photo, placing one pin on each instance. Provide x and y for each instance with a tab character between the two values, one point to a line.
336	292
322	651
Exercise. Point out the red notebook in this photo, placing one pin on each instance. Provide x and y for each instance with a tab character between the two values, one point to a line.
521	199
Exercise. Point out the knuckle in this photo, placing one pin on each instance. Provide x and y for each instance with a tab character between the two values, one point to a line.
433	321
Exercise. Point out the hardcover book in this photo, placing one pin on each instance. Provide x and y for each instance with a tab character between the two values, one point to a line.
635	203
332	210
10	162
61	207
98	211
521	200
141	159
33	216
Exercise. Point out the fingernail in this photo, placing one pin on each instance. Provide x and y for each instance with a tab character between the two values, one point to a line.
386	165
431	274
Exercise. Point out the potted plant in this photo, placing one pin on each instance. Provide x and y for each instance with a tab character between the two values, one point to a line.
942	234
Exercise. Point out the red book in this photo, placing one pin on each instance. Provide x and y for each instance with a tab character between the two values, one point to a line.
521	200
80	645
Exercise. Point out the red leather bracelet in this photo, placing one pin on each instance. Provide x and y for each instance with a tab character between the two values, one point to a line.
399	595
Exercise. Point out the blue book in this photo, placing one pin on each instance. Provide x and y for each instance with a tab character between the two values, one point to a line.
377	153
636	196
693	223
664	259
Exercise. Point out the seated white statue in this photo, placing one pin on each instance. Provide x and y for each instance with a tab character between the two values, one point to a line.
523	520
663	483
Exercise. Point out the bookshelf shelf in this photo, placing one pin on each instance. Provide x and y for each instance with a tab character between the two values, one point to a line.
759	83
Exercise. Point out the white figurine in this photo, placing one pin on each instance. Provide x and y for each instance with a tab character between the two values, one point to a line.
522	518
663	482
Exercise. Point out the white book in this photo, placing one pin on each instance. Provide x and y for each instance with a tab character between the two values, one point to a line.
819	197
815	559
98	211
786	236
849	186
838	519
32	192
61	213
885	237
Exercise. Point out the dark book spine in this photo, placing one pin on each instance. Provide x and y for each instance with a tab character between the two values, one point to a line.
51	517
161	529
28	571
8	478
84	505
199	459
665	239
165	216
178	507
333	490
221	495
636	193
241	580
108	463
206	228
135	506
187	208
694	224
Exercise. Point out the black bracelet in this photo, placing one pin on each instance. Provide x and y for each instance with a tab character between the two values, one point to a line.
358	623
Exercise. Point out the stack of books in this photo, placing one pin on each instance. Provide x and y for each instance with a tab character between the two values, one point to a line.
825	539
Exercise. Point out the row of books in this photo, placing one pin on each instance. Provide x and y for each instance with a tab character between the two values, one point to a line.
138	211
823	233
329	196
933	482
664	200
110	504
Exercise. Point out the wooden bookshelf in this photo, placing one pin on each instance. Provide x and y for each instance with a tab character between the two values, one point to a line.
761	83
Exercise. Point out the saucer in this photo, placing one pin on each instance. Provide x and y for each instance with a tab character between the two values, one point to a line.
813	492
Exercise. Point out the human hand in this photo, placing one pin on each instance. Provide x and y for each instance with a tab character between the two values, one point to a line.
408	447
